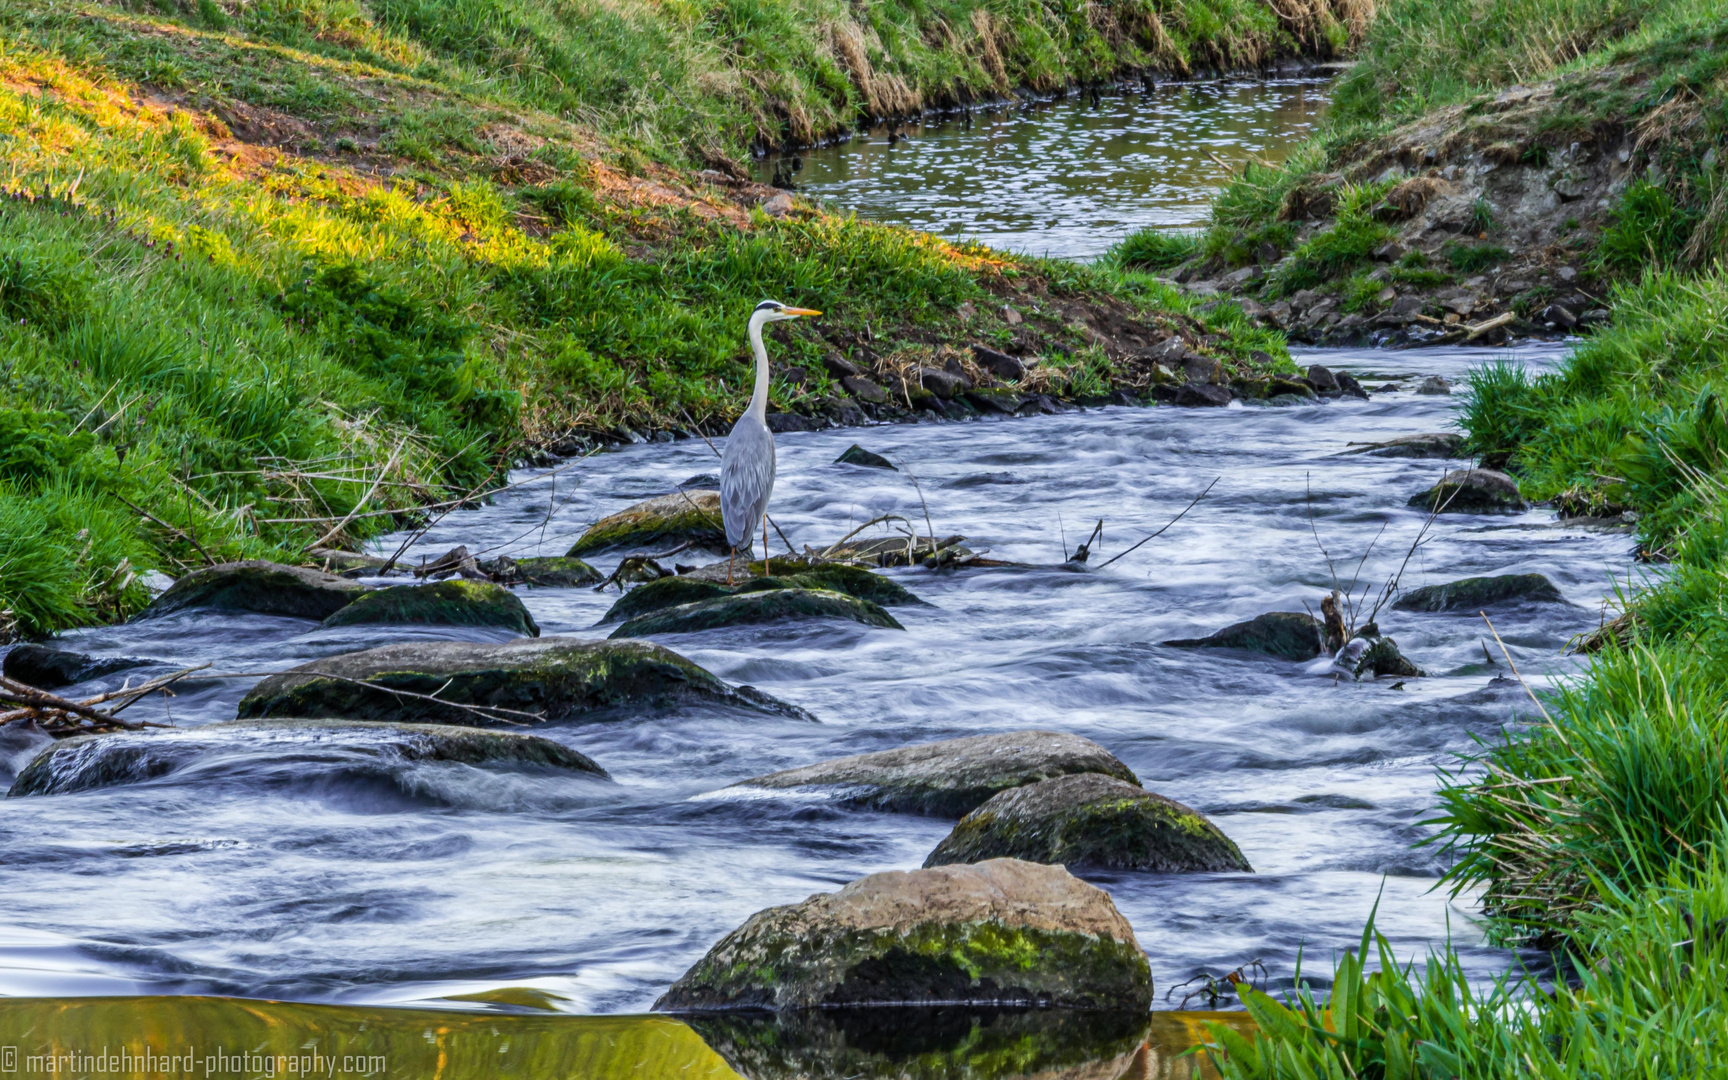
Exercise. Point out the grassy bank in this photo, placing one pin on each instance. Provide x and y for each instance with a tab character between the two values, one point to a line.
273	275
1599	826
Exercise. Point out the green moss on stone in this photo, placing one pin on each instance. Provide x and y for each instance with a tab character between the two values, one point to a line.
770	605
669	519
456	602
263	587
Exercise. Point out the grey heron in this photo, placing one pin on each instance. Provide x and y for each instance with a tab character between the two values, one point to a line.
747	466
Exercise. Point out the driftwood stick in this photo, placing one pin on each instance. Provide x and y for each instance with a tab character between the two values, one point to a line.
24	694
1167	524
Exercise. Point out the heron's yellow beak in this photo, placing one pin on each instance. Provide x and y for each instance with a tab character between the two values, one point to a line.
799	311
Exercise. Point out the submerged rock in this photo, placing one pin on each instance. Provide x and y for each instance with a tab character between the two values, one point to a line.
1467	491
689	588
1289	635
48	668
456	602
1002	932
1471	594
692	515
264	587
757	606
1383	658
939	1042
552	678
555	572
86	762
857	455
951	777
1435	444
1090	820
20	741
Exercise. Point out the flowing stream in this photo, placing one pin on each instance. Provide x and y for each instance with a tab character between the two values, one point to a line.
314	874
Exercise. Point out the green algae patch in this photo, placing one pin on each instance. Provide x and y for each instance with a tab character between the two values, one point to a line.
874	590
683	516
456	602
1091	820
524	681
554	572
266	588
767	606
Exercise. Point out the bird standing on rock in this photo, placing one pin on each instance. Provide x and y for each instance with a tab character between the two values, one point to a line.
747	465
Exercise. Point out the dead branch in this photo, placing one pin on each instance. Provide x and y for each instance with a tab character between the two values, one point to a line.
1169	523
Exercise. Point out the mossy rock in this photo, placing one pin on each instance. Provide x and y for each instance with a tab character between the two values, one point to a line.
857	455
1289	635
1438	445
748	608
1383	658
88	762
552	678
1001	932
264	587
1473	594
456	602
669	592
948	778
670	519
1090	820
48	668
688	589
931	1043
1472	491
555	572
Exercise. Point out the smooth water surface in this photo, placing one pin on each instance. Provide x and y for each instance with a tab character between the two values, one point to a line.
319	876
1064	178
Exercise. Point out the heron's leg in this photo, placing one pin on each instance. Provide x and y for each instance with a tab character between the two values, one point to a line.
767	569
730	560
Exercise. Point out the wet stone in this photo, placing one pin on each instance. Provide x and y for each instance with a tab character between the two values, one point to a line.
1472	594
1435	444
554	572
266	588
1091	820
857	455
88	762
48	668
1472	491
802	574
1289	635
689	515
1001	932
551	678
1383	658
457	602
948	778
770	605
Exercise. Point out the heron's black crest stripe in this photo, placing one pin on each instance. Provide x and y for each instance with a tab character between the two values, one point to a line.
769	305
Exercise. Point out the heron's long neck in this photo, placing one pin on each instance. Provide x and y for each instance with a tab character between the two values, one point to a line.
758	397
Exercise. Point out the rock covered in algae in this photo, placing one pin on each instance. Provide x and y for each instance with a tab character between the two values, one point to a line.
951	777
264	587
87	762
1001	932
1429	445
551	678
552	572
1472	491
757	606
1473	594
456	602
689	589
1091	820
1289	635
692	515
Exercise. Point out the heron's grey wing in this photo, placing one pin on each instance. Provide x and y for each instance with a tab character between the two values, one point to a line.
746	479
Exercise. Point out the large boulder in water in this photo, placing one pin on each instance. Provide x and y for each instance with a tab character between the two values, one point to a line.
1290	635
557	572
1002	932
86	762
1472	491
947	778
1090	820
48	668
456	602
552	678
1474	594
761	606
692	515
264	587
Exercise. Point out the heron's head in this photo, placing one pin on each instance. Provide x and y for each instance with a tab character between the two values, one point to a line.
775	311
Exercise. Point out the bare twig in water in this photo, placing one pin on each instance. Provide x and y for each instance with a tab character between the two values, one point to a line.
1517	675
930	529
1167	524
487	712
883	519
1391	588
